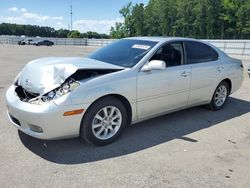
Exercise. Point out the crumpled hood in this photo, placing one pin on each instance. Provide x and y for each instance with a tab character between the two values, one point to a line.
43	75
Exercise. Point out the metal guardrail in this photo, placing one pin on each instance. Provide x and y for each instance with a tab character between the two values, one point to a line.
232	47
6	39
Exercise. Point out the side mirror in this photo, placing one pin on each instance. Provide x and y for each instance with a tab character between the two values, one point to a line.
154	65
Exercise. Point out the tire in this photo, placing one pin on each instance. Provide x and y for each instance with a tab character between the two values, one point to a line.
215	104
101	130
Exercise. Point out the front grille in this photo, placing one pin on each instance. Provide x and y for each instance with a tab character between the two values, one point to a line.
24	95
16	121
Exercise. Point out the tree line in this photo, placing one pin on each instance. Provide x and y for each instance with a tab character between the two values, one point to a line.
41	31
206	19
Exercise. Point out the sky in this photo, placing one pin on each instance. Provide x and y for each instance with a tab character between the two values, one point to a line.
88	15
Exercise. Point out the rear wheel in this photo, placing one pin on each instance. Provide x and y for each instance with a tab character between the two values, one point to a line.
220	96
104	121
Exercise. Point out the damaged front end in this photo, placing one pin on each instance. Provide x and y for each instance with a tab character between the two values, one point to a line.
35	98
46	79
70	84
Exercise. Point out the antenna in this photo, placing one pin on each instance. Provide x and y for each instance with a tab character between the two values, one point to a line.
71	13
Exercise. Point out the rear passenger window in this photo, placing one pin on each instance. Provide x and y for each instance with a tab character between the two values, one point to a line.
199	53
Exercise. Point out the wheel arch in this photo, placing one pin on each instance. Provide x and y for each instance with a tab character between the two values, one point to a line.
229	82
121	98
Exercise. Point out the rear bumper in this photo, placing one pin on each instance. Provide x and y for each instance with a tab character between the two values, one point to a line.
44	121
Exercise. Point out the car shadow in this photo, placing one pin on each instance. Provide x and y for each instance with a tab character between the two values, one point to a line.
137	137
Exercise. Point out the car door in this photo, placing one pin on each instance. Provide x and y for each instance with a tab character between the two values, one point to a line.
206	71
159	91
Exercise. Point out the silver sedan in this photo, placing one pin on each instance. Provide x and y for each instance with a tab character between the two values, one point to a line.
128	81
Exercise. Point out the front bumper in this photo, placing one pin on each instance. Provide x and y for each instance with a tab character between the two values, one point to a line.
44	121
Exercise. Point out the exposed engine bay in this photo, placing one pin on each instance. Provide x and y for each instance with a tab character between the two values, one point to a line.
83	74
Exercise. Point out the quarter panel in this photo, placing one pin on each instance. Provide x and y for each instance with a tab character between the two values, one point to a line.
205	78
234	72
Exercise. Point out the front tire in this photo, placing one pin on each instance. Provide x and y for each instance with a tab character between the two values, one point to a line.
104	121
220	96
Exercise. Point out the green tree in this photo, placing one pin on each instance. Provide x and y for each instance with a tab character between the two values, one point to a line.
62	33
230	8
152	21
243	20
211	19
74	34
137	21
34	30
126	13
118	31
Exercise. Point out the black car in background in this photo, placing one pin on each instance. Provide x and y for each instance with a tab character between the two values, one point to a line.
44	43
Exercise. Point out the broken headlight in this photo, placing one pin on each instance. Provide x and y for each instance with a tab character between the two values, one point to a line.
64	89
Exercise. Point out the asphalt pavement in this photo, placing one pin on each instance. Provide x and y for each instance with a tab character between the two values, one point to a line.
191	148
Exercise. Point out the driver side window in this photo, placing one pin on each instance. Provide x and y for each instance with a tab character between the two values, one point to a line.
171	53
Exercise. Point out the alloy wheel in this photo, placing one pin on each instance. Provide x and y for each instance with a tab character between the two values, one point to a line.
220	95
106	122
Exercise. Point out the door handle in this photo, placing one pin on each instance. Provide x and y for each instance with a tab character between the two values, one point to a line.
219	68
185	73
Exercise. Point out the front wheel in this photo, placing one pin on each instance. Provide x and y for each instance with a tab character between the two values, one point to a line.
220	96
104	121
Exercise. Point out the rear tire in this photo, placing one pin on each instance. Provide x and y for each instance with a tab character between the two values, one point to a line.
104	121
220	96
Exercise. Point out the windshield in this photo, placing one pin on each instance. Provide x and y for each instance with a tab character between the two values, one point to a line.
125	52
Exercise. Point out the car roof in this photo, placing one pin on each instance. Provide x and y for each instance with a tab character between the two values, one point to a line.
168	39
162	39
